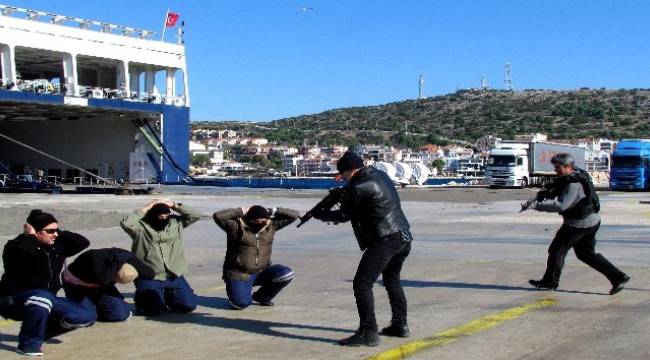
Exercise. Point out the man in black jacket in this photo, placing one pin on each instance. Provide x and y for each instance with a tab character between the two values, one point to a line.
372	205
32	264
93	275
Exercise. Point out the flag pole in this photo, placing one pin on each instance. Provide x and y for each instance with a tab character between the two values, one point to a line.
162	37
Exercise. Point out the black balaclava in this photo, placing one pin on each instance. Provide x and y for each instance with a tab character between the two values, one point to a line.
39	219
256	212
151	217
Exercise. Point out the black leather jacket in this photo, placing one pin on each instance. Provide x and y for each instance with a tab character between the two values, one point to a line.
30	265
372	205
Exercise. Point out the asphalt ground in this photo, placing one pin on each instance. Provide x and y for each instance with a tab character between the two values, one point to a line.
465	280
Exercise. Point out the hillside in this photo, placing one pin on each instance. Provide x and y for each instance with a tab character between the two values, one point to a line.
466	115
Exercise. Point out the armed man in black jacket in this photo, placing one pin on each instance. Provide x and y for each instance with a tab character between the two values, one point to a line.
33	263
372	205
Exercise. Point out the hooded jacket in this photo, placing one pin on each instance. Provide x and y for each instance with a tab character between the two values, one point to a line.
30	264
99	266
161	250
372	204
249	252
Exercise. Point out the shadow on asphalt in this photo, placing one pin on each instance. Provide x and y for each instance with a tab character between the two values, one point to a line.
268	328
8	338
459	285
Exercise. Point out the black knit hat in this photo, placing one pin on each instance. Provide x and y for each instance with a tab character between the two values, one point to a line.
256	212
39	219
349	161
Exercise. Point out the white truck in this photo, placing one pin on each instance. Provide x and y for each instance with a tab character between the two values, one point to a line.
526	163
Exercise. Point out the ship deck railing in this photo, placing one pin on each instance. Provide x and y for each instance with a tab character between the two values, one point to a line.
44	86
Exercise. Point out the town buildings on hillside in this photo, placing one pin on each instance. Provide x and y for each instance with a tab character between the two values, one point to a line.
222	152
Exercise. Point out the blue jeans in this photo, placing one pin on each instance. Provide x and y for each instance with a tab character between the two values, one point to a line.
154	296
106	302
39	308
271	281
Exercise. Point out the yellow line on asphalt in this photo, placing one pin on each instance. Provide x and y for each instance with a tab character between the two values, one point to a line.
453	334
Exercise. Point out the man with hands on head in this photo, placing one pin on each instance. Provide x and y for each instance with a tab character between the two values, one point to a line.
93	275
32	267
250	234
157	236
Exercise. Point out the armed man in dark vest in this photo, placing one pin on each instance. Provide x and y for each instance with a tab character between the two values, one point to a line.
572	195
372	204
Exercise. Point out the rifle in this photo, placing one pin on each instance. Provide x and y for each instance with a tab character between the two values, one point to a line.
334	197
548	191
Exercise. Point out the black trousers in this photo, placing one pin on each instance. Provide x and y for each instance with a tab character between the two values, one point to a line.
386	258
583	242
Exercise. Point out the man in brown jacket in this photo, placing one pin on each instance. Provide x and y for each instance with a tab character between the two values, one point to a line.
250	233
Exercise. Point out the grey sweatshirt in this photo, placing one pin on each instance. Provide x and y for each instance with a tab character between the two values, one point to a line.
572	194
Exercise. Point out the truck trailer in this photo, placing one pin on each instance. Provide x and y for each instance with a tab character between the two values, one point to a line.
630	167
520	164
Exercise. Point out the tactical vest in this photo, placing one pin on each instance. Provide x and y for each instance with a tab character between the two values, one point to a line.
589	204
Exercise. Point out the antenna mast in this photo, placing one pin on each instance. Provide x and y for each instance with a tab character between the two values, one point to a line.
507	76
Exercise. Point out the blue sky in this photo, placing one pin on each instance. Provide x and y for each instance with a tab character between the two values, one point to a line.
264	60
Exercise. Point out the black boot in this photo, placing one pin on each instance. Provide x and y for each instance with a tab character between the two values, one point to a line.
262	302
542	285
361	337
619	285
396	330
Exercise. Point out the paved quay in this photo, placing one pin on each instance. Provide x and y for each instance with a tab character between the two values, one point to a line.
466	282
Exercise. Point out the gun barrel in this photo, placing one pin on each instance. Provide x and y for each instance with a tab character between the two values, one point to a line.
304	219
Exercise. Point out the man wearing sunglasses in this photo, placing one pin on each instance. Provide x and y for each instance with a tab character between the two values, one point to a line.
33	262
573	196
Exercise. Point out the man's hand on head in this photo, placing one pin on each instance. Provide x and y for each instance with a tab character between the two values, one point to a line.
28	229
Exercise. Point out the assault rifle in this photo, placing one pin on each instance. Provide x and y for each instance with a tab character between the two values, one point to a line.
334	197
547	192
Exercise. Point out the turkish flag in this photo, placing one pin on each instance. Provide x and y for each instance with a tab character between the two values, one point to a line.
171	19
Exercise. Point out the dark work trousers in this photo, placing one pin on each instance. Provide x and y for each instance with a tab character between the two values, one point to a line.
271	281
583	242
106	301
154	296
384	257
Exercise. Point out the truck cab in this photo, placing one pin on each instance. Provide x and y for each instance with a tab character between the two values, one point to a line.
630	167
508	166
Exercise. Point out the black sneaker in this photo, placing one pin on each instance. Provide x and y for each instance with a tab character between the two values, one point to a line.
29	351
361	338
263	303
396	330
618	286
540	284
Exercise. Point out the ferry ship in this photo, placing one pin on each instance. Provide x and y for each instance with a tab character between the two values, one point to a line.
84	100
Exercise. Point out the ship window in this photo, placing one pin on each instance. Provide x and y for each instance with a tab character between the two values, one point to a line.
520	162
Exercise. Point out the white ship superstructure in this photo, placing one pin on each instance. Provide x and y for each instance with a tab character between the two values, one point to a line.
118	95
